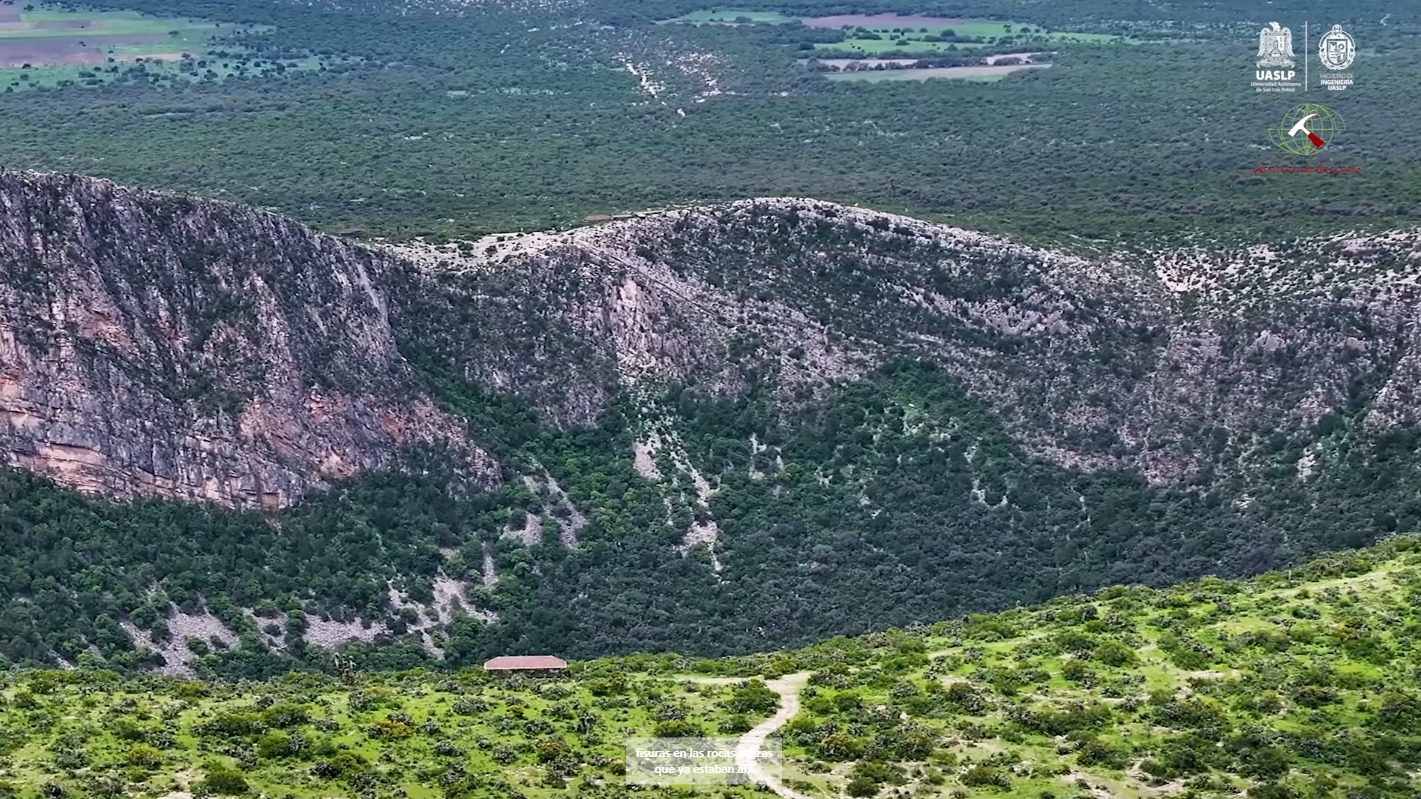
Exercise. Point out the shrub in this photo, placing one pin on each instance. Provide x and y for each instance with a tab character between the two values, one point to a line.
676	728
860	787
1095	752
754	697
1078	672
840	746
285	714
222	781
340	765
191	689
550	749
986	777
735	725
390	730
868	775
143	756
275	744
1114	653
231	725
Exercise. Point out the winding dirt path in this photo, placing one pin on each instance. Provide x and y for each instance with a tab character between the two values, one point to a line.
788	688
749	745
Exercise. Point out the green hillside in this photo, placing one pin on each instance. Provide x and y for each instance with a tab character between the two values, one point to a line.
806	557
1296	684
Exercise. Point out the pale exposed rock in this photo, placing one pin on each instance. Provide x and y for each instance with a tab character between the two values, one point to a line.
705	531
1307	463
530	533
490	574
276	643
178	656
332	634
1089	362
450	601
644	457
211	388
573	522
557	506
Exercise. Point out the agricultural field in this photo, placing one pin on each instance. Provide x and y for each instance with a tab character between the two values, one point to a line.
49	47
872	34
1294	684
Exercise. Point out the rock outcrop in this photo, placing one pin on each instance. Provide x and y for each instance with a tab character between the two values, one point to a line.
156	345
1155	362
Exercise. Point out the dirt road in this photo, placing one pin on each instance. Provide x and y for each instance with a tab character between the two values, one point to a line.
750	743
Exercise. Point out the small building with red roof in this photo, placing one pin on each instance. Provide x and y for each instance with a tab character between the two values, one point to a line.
535	665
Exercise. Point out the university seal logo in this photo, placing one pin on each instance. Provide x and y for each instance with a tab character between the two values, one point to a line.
1336	49
1275	47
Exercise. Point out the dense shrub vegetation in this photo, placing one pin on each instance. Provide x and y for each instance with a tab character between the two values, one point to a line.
900	500
1297	684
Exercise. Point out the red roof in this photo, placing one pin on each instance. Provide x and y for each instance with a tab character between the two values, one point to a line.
515	662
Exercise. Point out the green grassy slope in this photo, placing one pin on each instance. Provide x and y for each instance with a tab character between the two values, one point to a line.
1300	683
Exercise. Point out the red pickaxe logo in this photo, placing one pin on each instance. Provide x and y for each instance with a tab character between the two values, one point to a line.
1301	127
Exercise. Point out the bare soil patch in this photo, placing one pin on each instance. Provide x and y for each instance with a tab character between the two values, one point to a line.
878	21
1024	58
46	52
78	50
9	13
933	72
866	63
128	38
61	24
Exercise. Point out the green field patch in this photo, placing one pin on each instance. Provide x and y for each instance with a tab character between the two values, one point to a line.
49	47
871	47
877	714
882	33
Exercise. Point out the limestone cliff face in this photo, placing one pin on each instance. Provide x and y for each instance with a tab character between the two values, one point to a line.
1173	364
160	345
153	345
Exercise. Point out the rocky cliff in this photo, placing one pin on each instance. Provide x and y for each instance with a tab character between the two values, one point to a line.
1156	362
154	345
161	345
